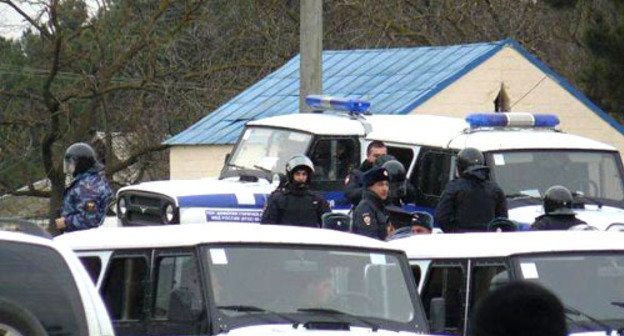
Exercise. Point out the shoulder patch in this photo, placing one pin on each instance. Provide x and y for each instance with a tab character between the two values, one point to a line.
90	206
366	218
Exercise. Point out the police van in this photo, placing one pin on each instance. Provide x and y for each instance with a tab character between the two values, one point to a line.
525	152
249	279
584	269
44	290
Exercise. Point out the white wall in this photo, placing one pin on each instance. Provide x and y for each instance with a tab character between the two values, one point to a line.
192	162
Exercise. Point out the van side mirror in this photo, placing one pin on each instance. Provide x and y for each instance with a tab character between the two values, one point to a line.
336	221
181	306
437	315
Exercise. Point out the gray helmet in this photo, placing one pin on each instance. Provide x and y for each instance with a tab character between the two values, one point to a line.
297	162
558	201
79	158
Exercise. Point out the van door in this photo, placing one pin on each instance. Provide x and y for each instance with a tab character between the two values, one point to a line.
485	276
177	305
433	170
125	289
447	280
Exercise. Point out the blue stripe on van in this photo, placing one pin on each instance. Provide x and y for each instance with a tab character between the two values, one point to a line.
220	201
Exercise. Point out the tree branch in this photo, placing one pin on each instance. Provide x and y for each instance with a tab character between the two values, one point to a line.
30	20
133	158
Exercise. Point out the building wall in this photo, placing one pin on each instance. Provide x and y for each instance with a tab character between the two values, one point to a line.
529	90
192	162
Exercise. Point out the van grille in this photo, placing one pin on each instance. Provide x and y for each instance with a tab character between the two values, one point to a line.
145	209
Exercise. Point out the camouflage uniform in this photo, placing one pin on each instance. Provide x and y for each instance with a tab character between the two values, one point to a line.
85	201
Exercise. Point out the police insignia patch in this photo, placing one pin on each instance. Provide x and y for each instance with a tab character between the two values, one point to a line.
366	218
90	206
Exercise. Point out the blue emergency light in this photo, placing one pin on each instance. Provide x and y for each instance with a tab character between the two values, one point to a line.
355	106
512	120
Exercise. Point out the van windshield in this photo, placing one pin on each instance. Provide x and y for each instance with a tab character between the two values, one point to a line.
593	173
254	285
590	286
268	149
38	279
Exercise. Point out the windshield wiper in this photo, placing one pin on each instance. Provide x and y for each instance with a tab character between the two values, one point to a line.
233	165
254	309
521	195
370	324
574	311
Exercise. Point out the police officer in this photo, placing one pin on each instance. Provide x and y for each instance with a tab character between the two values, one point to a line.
558	214
471	201
353	182
294	203
86	200
370	217
400	192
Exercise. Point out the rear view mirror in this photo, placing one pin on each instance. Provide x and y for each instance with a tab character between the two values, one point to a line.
437	315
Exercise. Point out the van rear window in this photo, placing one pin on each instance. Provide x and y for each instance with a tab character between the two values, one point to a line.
38	279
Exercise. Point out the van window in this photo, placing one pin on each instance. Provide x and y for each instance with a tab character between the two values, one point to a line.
176	278
123	289
404	155
93	265
447	282
433	172
484	279
38	279
333	159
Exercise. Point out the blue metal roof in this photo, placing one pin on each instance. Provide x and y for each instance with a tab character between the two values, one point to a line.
395	81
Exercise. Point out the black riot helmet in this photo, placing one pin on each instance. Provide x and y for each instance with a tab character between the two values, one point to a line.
558	201
379	162
469	157
396	171
396	178
299	162
79	158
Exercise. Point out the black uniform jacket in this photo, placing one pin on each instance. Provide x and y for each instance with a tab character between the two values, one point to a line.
353	183
469	203
556	222
370	217
295	206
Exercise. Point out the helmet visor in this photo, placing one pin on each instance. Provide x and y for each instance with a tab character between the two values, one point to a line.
69	166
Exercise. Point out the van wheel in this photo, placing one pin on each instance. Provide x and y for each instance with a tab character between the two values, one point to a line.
18	321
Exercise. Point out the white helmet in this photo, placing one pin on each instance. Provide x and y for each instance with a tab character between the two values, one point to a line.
299	161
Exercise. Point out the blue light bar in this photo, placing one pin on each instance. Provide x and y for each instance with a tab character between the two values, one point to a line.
512	120
334	103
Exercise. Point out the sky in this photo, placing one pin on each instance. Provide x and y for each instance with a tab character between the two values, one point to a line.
11	23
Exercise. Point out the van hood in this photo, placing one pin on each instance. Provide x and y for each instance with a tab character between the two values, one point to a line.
177	189
283	329
599	217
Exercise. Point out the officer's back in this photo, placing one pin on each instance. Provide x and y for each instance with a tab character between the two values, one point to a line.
470	202
558	213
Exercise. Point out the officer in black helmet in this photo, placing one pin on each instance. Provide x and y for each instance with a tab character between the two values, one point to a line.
86	200
400	192
294	203
471	201
558	214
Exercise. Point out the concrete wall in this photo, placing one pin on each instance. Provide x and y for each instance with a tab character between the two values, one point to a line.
529	90
192	162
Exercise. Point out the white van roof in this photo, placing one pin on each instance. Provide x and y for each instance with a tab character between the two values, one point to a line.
449	132
490	244
194	234
315	123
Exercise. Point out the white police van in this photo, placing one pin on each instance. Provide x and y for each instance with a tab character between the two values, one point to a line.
249	279
526	155
44	290
585	269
